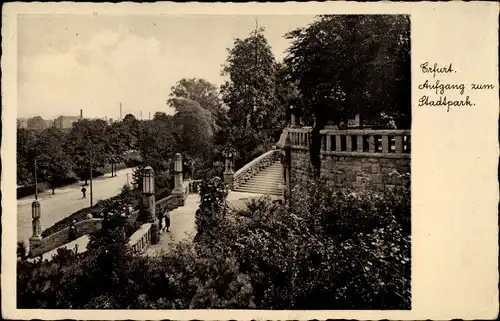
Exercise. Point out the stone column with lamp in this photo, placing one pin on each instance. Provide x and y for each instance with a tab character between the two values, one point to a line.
178	180
36	239
294	117
228	171
148	191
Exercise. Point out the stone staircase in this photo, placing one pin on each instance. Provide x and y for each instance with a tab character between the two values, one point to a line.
267	181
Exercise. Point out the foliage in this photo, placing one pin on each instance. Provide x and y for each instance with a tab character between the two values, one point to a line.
87	146
202	92
156	143
22	252
271	257
343	65
26	141
120	201
53	163
213	193
250	91
193	128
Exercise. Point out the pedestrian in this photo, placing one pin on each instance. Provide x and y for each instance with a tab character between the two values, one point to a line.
167	220
160	219
84	192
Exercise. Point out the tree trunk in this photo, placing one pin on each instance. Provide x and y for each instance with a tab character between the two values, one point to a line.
86	182
112	173
53	190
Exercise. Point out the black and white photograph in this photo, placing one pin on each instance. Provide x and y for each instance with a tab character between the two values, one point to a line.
175	161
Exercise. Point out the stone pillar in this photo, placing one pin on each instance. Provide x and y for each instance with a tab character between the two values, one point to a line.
36	239
294	121
148	192
178	180
229	172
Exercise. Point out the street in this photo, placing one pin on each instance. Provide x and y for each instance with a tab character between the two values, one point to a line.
66	201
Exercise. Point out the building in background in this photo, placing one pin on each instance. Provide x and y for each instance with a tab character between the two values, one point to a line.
65	122
22	123
49	122
36	123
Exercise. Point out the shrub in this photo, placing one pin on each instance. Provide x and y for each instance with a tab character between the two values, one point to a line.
213	193
266	256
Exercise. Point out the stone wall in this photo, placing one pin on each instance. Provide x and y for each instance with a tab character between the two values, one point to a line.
62	237
357	159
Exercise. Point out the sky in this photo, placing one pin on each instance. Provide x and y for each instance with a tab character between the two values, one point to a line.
94	62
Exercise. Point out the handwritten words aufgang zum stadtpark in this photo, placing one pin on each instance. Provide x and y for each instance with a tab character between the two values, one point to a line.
443	93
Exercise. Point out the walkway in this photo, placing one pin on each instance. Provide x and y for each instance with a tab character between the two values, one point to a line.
66	201
182	221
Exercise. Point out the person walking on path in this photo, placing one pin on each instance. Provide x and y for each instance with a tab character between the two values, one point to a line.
160	220
167	220
84	192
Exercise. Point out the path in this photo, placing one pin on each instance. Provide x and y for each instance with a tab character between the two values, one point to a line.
66	201
182	220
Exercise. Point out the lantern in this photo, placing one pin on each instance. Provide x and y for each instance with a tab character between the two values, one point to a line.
178	163
148	181
35	210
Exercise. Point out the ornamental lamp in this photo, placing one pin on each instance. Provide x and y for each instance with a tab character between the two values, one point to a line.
148	181
35	210
178	163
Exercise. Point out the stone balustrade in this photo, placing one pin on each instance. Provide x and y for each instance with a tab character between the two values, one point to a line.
61	237
385	143
350	158
141	238
92	225
255	166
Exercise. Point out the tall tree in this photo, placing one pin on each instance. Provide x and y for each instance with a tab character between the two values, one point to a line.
53	163
87	144
130	130
115	144
156	143
193	129
250	91
202	92
25	156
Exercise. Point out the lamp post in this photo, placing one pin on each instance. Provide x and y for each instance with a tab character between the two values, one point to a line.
36	182
148	191
228	170
293	116
91	194
36	213
178	179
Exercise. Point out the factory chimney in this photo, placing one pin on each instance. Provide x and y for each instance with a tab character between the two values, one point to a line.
81	114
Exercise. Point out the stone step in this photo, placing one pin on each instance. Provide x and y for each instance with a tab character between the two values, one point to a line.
262	183
265	192
262	186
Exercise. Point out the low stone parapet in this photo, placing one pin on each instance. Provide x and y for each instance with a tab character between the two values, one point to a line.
255	166
141	238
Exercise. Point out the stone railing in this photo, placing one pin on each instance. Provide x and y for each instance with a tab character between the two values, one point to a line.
61	237
367	142
141	238
92	225
255	166
383	143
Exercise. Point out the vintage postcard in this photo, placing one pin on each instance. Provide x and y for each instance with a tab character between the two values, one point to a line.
277	161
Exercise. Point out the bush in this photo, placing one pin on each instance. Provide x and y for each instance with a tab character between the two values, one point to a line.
269	257
121	200
213	193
